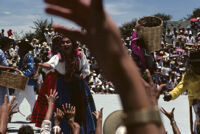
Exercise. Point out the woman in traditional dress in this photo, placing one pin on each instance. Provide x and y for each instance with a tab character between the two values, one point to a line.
41	105
72	67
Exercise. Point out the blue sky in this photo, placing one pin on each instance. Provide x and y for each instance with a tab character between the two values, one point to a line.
20	14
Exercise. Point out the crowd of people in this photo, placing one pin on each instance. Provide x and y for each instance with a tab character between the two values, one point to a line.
170	62
42	52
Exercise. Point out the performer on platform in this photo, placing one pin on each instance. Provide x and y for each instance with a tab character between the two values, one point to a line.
72	67
41	105
190	82
26	65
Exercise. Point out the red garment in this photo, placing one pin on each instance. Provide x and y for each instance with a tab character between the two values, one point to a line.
41	105
10	33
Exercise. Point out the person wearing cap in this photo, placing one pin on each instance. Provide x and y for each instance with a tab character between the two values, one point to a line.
191	82
5	44
26	65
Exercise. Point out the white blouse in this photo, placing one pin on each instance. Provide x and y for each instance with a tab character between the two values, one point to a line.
60	66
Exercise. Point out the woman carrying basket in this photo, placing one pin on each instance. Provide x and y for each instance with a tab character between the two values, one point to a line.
5	44
26	65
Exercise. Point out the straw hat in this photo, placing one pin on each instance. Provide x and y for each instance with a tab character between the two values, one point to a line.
172	62
111	89
127	38
44	43
161	52
113	122
46	29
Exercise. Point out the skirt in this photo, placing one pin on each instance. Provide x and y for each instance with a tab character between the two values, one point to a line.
77	93
41	105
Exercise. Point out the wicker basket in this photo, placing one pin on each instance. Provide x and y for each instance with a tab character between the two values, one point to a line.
150	31
14	81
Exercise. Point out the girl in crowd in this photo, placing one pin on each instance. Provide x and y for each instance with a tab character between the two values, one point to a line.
41	105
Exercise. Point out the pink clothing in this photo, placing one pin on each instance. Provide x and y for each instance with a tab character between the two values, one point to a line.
137	50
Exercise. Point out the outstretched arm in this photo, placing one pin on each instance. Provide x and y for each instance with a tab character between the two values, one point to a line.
46	123
98	115
45	65
6	67
6	110
51	99
170	116
69	114
104	41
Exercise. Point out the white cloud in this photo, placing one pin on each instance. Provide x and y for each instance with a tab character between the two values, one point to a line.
6	12
117	8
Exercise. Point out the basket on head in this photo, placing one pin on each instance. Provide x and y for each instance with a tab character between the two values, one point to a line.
150	32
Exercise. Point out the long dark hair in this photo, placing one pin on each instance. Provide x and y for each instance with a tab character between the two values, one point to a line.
4	41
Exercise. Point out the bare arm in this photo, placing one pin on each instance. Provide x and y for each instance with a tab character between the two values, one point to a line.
45	65
98	115
170	116
104	41
6	67
51	99
175	127
69	114
6	110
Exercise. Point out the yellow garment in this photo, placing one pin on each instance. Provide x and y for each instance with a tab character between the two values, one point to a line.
191	82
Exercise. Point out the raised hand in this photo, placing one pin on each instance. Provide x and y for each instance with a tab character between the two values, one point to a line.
69	112
90	16
151	89
103	36
52	96
169	115
98	114
58	115
8	107
6	111
51	99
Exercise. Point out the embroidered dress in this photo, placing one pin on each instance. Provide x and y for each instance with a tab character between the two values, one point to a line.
71	89
74	90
